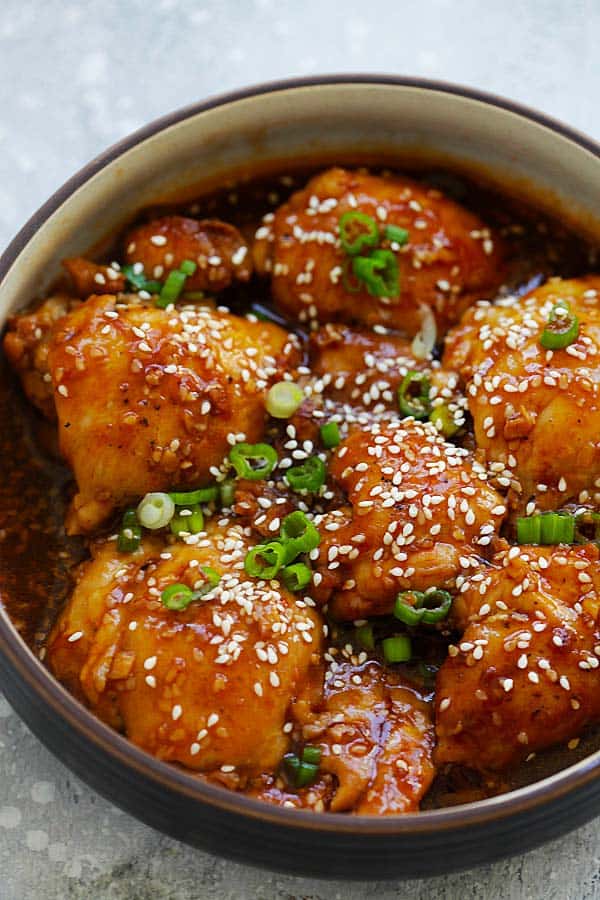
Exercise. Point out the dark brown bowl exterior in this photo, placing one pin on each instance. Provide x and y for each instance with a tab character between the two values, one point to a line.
300	842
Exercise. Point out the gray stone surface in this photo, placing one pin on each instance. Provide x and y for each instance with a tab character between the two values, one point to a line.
76	76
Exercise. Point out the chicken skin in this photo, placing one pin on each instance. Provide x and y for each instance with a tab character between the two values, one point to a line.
220	252
419	511
376	736
449	261
146	398
207	686
536	412
524	675
26	346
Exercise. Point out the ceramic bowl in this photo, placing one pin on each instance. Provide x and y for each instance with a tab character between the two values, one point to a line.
274	126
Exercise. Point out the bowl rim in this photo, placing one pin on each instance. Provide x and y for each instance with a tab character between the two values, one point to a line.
114	745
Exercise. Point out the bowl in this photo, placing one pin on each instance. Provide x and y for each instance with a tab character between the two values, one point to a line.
268	127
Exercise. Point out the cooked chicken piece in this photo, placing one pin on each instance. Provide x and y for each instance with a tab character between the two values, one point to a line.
362	368
26	346
525	674
147	399
208	686
450	260
218	249
536	412
376	736
92	278
419	512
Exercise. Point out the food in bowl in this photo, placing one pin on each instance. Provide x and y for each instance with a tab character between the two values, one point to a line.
332	439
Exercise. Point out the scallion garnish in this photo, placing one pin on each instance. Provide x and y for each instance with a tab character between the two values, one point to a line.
444	421
357	231
179	596
139	281
396	235
546	528
562	328
309	476
227	492
415	403
298	535
427	607
188	520
296	577
174	283
265	560
201	495
155	510
253	461
130	533
283	399
365	636
397	649
302	770
378	272
330	435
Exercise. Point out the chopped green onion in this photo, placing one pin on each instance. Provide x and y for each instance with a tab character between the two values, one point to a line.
139	281
265	560
330	435
298	535
253	461
283	399
546	528
189	498
307	773
174	283
291	763
357	231
397	649
396	235
188	520
443	420
130	534
311	754
406	607
309	476
227	492
378	272
365	636
562	328
296	577
411	403
583	523
179	596
435	606
155	510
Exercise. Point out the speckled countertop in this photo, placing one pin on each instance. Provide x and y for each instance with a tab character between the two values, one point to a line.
75	77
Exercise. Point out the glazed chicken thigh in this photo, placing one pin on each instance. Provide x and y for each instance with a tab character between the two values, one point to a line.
420	510
450	260
524	675
536	411
147	398
189	686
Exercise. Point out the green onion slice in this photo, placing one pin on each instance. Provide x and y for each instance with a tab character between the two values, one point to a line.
174	283
179	596
562	328
309	476
188	520
429	607
330	435
357	231
311	754
130	533
265	560
351	283
283	399
189	498
378	272
443	420
396	234
397	649
365	636
413	395
253	461
298	535
546	528
227	492
139	281
296	577
155	510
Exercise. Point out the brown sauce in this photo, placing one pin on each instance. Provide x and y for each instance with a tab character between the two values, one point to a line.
36	557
